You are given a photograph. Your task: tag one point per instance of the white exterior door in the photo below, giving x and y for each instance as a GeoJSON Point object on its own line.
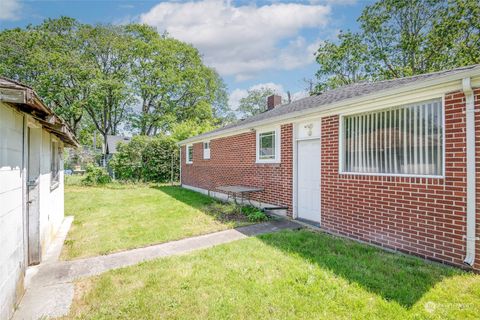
{"type": "Point", "coordinates": [308, 180]}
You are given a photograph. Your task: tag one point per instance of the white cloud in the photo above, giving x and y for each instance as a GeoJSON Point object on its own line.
{"type": "Point", "coordinates": [242, 40]}
{"type": "Point", "coordinates": [237, 94]}
{"type": "Point", "coordinates": [10, 9]}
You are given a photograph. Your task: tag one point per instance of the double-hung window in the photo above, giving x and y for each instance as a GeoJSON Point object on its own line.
{"type": "Point", "coordinates": [268, 146]}
{"type": "Point", "coordinates": [404, 140]}
{"type": "Point", "coordinates": [189, 154]}
{"type": "Point", "coordinates": [206, 150]}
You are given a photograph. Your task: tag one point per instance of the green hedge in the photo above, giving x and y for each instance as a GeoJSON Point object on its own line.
{"type": "Point", "coordinates": [146, 159]}
{"type": "Point", "coordinates": [95, 175]}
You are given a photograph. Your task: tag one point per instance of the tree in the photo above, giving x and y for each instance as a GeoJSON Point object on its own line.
{"type": "Point", "coordinates": [172, 82]}
{"type": "Point", "coordinates": [343, 63]}
{"type": "Point", "coordinates": [189, 128]}
{"type": "Point", "coordinates": [401, 38]}
{"type": "Point", "coordinates": [255, 102]}
{"type": "Point", "coordinates": [113, 78]}
{"type": "Point", "coordinates": [107, 49]}
{"type": "Point", "coordinates": [397, 33]}
{"type": "Point", "coordinates": [221, 110]}
{"type": "Point", "coordinates": [455, 38]}
{"type": "Point", "coordinates": [48, 58]}
{"type": "Point", "coordinates": [65, 82]}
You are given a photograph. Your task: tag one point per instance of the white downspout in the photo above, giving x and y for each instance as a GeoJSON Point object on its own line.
{"type": "Point", "coordinates": [470, 151]}
{"type": "Point", "coordinates": [180, 166]}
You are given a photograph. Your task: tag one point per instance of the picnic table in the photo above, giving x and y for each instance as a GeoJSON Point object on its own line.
{"type": "Point", "coordinates": [243, 191]}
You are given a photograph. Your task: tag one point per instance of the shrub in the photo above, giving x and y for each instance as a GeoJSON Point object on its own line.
{"type": "Point", "coordinates": [95, 175]}
{"type": "Point", "coordinates": [146, 159]}
{"type": "Point", "coordinates": [254, 214]}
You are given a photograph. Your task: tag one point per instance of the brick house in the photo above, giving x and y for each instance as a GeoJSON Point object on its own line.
{"type": "Point", "coordinates": [392, 163]}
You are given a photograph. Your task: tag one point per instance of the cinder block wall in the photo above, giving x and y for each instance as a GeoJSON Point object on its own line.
{"type": "Point", "coordinates": [232, 162]}
{"type": "Point", "coordinates": [12, 221]}
{"type": "Point", "coordinates": [421, 216]}
{"type": "Point", "coordinates": [12, 262]}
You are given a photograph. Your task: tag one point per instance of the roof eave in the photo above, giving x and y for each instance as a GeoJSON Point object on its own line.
{"type": "Point", "coordinates": [29, 102]}
{"type": "Point", "coordinates": [384, 93]}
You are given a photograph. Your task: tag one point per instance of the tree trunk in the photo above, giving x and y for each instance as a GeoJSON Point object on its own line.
{"type": "Point", "coordinates": [104, 160]}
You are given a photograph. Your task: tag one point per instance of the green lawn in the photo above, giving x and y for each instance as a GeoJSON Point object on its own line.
{"type": "Point", "coordinates": [285, 275]}
{"type": "Point", "coordinates": [118, 217]}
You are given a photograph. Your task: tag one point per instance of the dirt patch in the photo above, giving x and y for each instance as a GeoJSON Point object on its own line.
{"type": "Point", "coordinates": [79, 304]}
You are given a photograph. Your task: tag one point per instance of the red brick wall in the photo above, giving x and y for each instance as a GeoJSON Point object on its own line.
{"type": "Point", "coordinates": [232, 162]}
{"type": "Point", "coordinates": [421, 216]}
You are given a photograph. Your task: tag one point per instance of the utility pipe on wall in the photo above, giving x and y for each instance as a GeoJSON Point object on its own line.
{"type": "Point", "coordinates": [471, 184]}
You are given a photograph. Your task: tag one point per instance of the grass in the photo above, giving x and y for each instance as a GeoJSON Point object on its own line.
{"type": "Point", "coordinates": [284, 275]}
{"type": "Point", "coordinates": [118, 217]}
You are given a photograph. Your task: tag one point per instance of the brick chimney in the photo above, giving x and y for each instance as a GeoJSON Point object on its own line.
{"type": "Point", "coordinates": [273, 101]}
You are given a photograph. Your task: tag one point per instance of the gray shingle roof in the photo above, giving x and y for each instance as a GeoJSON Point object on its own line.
{"type": "Point", "coordinates": [337, 95]}
{"type": "Point", "coordinates": [112, 142]}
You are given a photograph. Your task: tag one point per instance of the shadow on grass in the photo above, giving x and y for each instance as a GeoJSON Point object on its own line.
{"type": "Point", "coordinates": [220, 211]}
{"type": "Point", "coordinates": [392, 276]}
{"type": "Point", "coordinates": [191, 198]}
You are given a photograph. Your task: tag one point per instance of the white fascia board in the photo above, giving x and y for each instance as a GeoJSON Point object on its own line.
{"type": "Point", "coordinates": [406, 94]}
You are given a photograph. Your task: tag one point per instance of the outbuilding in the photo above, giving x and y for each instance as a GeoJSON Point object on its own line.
{"type": "Point", "coordinates": [392, 163]}
{"type": "Point", "coordinates": [32, 139]}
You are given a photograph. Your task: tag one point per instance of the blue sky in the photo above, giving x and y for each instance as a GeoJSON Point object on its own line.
{"type": "Point", "coordinates": [250, 43]}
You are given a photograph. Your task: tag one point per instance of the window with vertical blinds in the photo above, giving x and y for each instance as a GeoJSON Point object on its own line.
{"type": "Point", "coordinates": [400, 140]}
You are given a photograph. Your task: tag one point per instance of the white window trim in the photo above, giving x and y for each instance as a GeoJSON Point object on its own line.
{"type": "Point", "coordinates": [405, 175]}
{"type": "Point", "coordinates": [206, 154]}
{"type": "Point", "coordinates": [277, 158]}
{"type": "Point", "coordinates": [187, 154]}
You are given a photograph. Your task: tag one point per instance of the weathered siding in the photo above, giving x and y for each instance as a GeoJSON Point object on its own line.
{"type": "Point", "coordinates": [51, 200]}
{"type": "Point", "coordinates": [12, 264]}
{"type": "Point", "coordinates": [12, 189]}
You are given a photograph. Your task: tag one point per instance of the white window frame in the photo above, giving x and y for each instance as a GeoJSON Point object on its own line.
{"type": "Point", "coordinates": [206, 151]}
{"type": "Point", "coordinates": [187, 154]}
{"type": "Point", "coordinates": [412, 175]}
{"type": "Point", "coordinates": [277, 145]}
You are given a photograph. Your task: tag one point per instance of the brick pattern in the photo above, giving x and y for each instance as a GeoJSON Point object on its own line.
{"type": "Point", "coordinates": [232, 162]}
{"type": "Point", "coordinates": [421, 216]}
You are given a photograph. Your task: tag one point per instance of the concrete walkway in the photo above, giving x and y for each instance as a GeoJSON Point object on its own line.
{"type": "Point", "coordinates": [50, 289]}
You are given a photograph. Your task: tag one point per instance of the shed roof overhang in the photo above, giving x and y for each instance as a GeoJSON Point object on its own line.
{"type": "Point", "coordinates": [27, 101]}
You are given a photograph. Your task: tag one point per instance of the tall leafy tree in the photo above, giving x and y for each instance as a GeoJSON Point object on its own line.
{"type": "Point", "coordinates": [343, 63]}
{"type": "Point", "coordinates": [400, 38]}
{"type": "Point", "coordinates": [397, 34]}
{"type": "Point", "coordinates": [48, 58]}
{"type": "Point", "coordinates": [107, 49]}
{"type": "Point", "coordinates": [255, 102]}
{"type": "Point", "coordinates": [171, 82]}
{"type": "Point", "coordinates": [110, 78]}
{"type": "Point", "coordinates": [66, 80]}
